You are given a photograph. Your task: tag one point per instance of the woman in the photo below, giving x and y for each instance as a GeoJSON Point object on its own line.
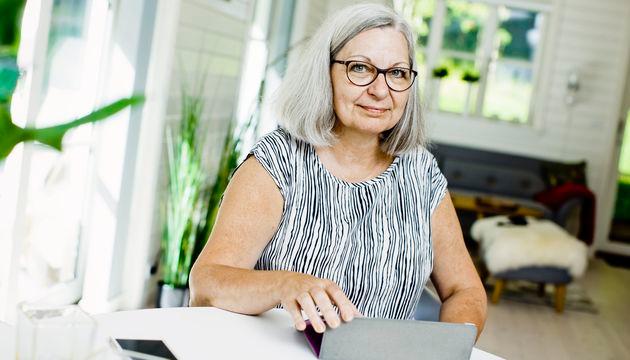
{"type": "Point", "coordinates": [342, 206]}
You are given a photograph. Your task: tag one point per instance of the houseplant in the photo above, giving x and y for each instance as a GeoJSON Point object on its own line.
{"type": "Point", "coordinates": [438, 73]}
{"type": "Point", "coordinates": [471, 77]}
{"type": "Point", "coordinates": [211, 196]}
{"type": "Point", "coordinates": [185, 201]}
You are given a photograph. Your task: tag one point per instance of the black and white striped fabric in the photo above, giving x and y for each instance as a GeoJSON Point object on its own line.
{"type": "Point", "coordinates": [372, 238]}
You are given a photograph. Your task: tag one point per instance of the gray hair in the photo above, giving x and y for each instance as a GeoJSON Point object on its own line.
{"type": "Point", "coordinates": [305, 99]}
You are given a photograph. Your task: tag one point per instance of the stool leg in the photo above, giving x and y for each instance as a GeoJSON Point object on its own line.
{"type": "Point", "coordinates": [561, 292]}
{"type": "Point", "coordinates": [498, 287]}
{"type": "Point", "coordinates": [541, 289]}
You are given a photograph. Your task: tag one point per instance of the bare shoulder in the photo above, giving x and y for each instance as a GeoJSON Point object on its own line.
{"type": "Point", "coordinates": [252, 175]}
{"type": "Point", "coordinates": [248, 217]}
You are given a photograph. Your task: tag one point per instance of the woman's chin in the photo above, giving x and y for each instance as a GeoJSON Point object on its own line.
{"type": "Point", "coordinates": [376, 126]}
{"type": "Point", "coordinates": [374, 130]}
{"type": "Point", "coordinates": [368, 125]}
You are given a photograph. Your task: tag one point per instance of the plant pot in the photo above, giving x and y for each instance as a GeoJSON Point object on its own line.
{"type": "Point", "coordinates": [171, 296]}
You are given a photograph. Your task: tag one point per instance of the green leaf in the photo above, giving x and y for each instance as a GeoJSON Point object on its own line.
{"type": "Point", "coordinates": [440, 72]}
{"type": "Point", "coordinates": [11, 134]}
{"type": "Point", "coordinates": [471, 76]}
{"type": "Point", "coordinates": [9, 74]}
{"type": "Point", "coordinates": [53, 136]}
{"type": "Point", "coordinates": [9, 26]}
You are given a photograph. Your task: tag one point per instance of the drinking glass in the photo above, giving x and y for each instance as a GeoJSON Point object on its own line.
{"type": "Point", "coordinates": [54, 332]}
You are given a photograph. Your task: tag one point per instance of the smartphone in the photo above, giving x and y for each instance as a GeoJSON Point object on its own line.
{"type": "Point", "coordinates": [143, 349]}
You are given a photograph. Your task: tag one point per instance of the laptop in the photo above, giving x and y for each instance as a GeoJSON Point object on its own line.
{"type": "Point", "coordinates": [371, 339]}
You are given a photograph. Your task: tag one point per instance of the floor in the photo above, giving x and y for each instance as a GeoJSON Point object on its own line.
{"type": "Point", "coordinates": [620, 231]}
{"type": "Point", "coordinates": [522, 331]}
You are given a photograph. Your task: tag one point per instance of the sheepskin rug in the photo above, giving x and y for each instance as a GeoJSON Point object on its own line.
{"type": "Point", "coordinates": [539, 243]}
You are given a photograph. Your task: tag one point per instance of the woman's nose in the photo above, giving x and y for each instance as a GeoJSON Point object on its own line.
{"type": "Point", "coordinates": [379, 88]}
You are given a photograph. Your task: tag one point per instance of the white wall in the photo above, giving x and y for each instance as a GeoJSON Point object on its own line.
{"type": "Point", "coordinates": [311, 13]}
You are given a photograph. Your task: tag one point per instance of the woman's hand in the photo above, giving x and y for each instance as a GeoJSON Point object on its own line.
{"type": "Point", "coordinates": [306, 292]}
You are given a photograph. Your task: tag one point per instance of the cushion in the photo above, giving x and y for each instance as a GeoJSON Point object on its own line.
{"type": "Point", "coordinates": [556, 174]}
{"type": "Point", "coordinates": [541, 274]}
{"type": "Point", "coordinates": [539, 243]}
{"type": "Point", "coordinates": [492, 179]}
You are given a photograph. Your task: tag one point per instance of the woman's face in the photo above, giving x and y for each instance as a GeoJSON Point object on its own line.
{"type": "Point", "coordinates": [374, 108]}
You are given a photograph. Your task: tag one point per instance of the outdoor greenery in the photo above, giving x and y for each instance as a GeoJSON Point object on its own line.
{"type": "Point", "coordinates": [463, 25]}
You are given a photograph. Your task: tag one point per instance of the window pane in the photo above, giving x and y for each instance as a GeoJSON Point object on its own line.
{"type": "Point", "coordinates": [423, 75]}
{"type": "Point", "coordinates": [518, 33]}
{"type": "Point", "coordinates": [463, 25]}
{"type": "Point", "coordinates": [422, 15]}
{"type": "Point", "coordinates": [455, 93]}
{"type": "Point", "coordinates": [508, 92]}
{"type": "Point", "coordinates": [510, 78]}
{"type": "Point", "coordinates": [57, 181]}
{"type": "Point", "coordinates": [63, 77]}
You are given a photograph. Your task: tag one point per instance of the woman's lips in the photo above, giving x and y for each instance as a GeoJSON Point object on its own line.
{"type": "Point", "coordinates": [373, 109]}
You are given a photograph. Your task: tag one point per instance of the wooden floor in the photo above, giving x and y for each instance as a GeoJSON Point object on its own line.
{"type": "Point", "coordinates": [523, 331]}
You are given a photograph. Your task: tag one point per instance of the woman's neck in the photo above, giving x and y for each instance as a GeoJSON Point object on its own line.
{"type": "Point", "coordinates": [355, 156]}
{"type": "Point", "coordinates": [358, 148]}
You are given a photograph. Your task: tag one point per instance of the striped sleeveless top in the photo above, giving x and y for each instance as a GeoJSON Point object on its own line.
{"type": "Point", "coordinates": [372, 238]}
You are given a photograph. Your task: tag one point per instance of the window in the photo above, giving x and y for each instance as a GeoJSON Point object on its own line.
{"type": "Point", "coordinates": [43, 247]}
{"type": "Point", "coordinates": [478, 58]}
{"type": "Point", "coordinates": [56, 185]}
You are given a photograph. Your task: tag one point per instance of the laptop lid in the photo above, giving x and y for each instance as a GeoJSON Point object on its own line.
{"type": "Point", "coordinates": [369, 338]}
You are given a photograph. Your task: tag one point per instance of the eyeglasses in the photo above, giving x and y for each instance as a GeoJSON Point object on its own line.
{"type": "Point", "coordinates": [363, 74]}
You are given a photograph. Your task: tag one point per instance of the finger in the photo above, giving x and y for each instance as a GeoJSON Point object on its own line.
{"type": "Point", "coordinates": [324, 304]}
{"type": "Point", "coordinates": [346, 308]}
{"type": "Point", "coordinates": [307, 304]}
{"type": "Point", "coordinates": [293, 309]}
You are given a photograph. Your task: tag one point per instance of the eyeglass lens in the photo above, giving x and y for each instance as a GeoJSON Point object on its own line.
{"type": "Point", "coordinates": [361, 74]}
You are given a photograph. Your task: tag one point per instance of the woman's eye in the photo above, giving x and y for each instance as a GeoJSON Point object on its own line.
{"type": "Point", "coordinates": [398, 73]}
{"type": "Point", "coordinates": [358, 68]}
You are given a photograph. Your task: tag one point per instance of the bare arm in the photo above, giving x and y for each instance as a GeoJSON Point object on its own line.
{"type": "Point", "coordinates": [454, 275]}
{"type": "Point", "coordinates": [223, 275]}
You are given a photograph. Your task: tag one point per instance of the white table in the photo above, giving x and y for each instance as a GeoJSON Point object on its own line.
{"type": "Point", "coordinates": [204, 333]}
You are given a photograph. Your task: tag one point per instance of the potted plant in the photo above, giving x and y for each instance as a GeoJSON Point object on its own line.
{"type": "Point", "coordinates": [471, 77]}
{"type": "Point", "coordinates": [438, 73]}
{"type": "Point", "coordinates": [184, 205]}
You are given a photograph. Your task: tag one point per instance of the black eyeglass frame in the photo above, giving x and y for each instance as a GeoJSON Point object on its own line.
{"type": "Point", "coordinates": [378, 72]}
